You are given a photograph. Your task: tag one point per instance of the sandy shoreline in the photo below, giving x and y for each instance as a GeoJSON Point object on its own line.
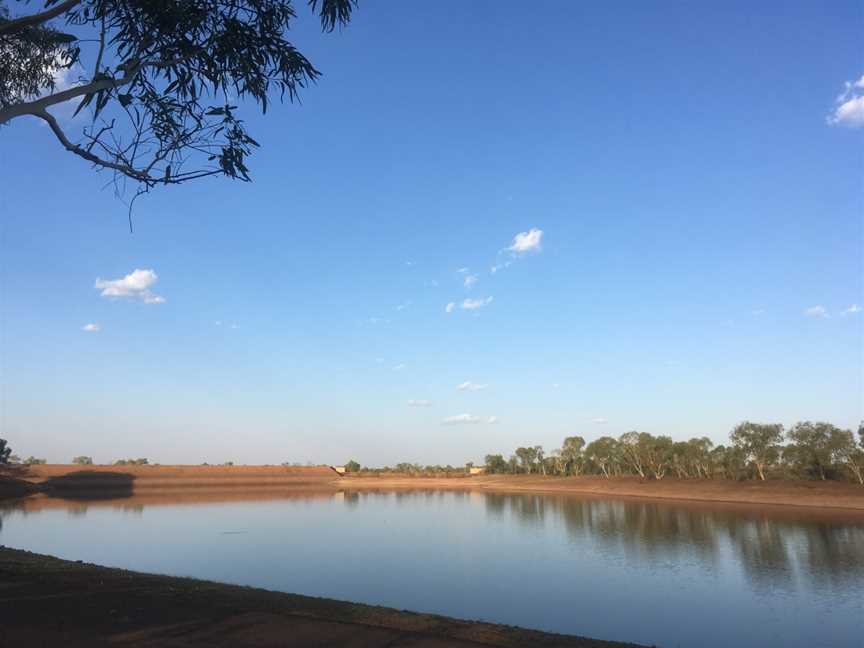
{"type": "Point", "coordinates": [88, 482]}
{"type": "Point", "coordinates": [46, 601]}
{"type": "Point", "coordinates": [811, 494]}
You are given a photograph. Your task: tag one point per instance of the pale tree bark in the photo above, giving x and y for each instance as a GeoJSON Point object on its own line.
{"type": "Point", "coordinates": [17, 24]}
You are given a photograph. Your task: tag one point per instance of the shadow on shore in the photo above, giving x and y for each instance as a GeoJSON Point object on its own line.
{"type": "Point", "coordinates": [13, 483]}
{"type": "Point", "coordinates": [89, 485]}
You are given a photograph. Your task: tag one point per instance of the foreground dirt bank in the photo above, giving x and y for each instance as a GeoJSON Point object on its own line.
{"type": "Point", "coordinates": [840, 495]}
{"type": "Point", "coordinates": [45, 601]}
{"type": "Point", "coordinates": [86, 482]}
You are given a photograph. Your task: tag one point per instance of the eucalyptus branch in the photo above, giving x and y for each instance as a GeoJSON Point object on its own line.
{"type": "Point", "coordinates": [18, 24]}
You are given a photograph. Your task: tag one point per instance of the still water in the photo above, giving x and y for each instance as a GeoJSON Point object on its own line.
{"type": "Point", "coordinates": [670, 574]}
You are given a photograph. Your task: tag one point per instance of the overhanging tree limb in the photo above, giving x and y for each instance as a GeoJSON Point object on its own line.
{"type": "Point", "coordinates": [152, 117]}
{"type": "Point", "coordinates": [17, 24]}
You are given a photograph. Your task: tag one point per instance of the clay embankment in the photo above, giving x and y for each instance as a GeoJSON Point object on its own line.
{"type": "Point", "coordinates": [202, 483]}
{"type": "Point", "coordinates": [120, 481]}
{"type": "Point", "coordinates": [827, 494]}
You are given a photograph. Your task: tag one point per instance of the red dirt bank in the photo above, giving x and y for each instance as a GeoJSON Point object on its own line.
{"type": "Point", "coordinates": [194, 481]}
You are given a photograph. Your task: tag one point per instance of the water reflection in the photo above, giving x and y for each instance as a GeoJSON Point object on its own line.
{"type": "Point", "coordinates": [688, 574]}
{"type": "Point", "coordinates": [771, 546]}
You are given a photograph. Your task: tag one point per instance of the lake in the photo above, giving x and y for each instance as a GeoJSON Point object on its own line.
{"type": "Point", "coordinates": [670, 574]}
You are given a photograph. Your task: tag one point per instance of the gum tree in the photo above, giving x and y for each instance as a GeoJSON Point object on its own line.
{"type": "Point", "coordinates": [759, 444]}
{"type": "Point", "coordinates": [814, 446]}
{"type": "Point", "coordinates": [163, 79]}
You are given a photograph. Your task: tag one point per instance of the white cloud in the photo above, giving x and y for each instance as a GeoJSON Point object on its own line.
{"type": "Point", "coordinates": [849, 110]}
{"type": "Point", "coordinates": [419, 402]}
{"type": "Point", "coordinates": [449, 307]}
{"type": "Point", "coordinates": [816, 311]}
{"type": "Point", "coordinates": [599, 420]}
{"type": "Point", "coordinates": [402, 307]}
{"type": "Point", "coordinates": [853, 309]}
{"type": "Point", "coordinates": [399, 367]}
{"type": "Point", "coordinates": [64, 79]}
{"type": "Point", "coordinates": [468, 419]}
{"type": "Point", "coordinates": [523, 243]}
{"type": "Point", "coordinates": [529, 241]}
{"type": "Point", "coordinates": [470, 280]}
{"type": "Point", "coordinates": [91, 328]}
{"type": "Point", "coordinates": [462, 270]}
{"type": "Point", "coordinates": [475, 304]}
{"type": "Point", "coordinates": [135, 285]}
{"type": "Point", "coordinates": [470, 386]}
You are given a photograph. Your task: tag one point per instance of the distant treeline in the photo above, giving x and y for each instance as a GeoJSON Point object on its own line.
{"type": "Point", "coordinates": [406, 468]}
{"type": "Point", "coordinates": [755, 451]}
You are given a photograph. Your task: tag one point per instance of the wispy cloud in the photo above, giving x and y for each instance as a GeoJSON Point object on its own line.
{"type": "Point", "coordinates": [816, 311]}
{"type": "Point", "coordinates": [403, 306]}
{"type": "Point", "coordinates": [450, 307]}
{"type": "Point", "coordinates": [470, 280]}
{"type": "Point", "coordinates": [135, 285]}
{"type": "Point", "coordinates": [849, 106]}
{"type": "Point", "coordinates": [476, 304]}
{"type": "Point", "coordinates": [468, 419]}
{"type": "Point", "coordinates": [470, 386]}
{"type": "Point", "coordinates": [419, 402]}
{"type": "Point", "coordinates": [853, 309]}
{"type": "Point", "coordinates": [599, 420]}
{"type": "Point", "coordinates": [399, 367]}
{"type": "Point", "coordinates": [91, 328]}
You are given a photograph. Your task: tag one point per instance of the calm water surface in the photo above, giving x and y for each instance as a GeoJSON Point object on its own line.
{"type": "Point", "coordinates": [654, 573]}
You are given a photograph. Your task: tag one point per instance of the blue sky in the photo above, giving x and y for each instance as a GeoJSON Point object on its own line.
{"type": "Point", "coordinates": [695, 172]}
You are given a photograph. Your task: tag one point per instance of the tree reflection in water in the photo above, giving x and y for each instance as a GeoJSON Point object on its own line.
{"type": "Point", "coordinates": [773, 546]}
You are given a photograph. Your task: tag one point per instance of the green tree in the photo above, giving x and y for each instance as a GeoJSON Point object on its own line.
{"type": "Point", "coordinates": [850, 456]}
{"type": "Point", "coordinates": [633, 447]}
{"type": "Point", "coordinates": [540, 458]}
{"type": "Point", "coordinates": [5, 452]}
{"type": "Point", "coordinates": [352, 466]}
{"type": "Point", "coordinates": [83, 461]}
{"type": "Point", "coordinates": [604, 454]}
{"type": "Point", "coordinates": [814, 447]}
{"type": "Point", "coordinates": [759, 442]}
{"type": "Point", "coordinates": [527, 458]}
{"type": "Point", "coordinates": [496, 465]}
{"type": "Point", "coordinates": [658, 453]}
{"type": "Point", "coordinates": [699, 456]}
{"type": "Point", "coordinates": [33, 461]}
{"type": "Point", "coordinates": [571, 455]}
{"type": "Point", "coordinates": [159, 77]}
